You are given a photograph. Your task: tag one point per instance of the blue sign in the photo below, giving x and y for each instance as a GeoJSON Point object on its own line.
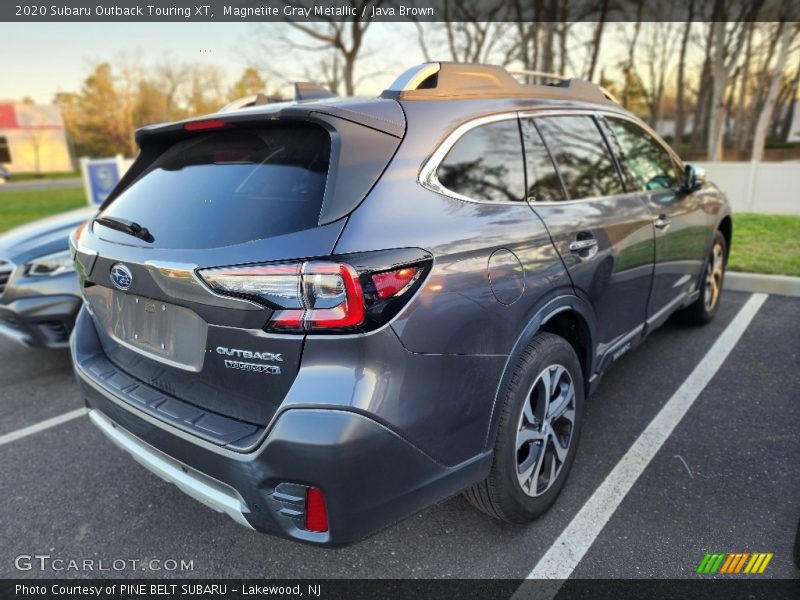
{"type": "Point", "coordinates": [100, 177]}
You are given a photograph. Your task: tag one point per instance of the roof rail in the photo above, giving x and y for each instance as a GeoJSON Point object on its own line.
{"type": "Point", "coordinates": [556, 76]}
{"type": "Point", "coordinates": [447, 80]}
{"type": "Point", "coordinates": [303, 90]}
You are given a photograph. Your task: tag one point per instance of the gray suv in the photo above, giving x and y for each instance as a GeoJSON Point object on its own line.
{"type": "Point", "coordinates": [321, 316]}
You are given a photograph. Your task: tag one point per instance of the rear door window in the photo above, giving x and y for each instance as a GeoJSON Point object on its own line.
{"type": "Point", "coordinates": [229, 187]}
{"type": "Point", "coordinates": [582, 156]}
{"type": "Point", "coordinates": [486, 164]}
{"type": "Point", "coordinates": [544, 184]}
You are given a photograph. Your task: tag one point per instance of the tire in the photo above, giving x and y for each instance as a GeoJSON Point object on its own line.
{"type": "Point", "coordinates": [702, 310]}
{"type": "Point", "coordinates": [525, 429]}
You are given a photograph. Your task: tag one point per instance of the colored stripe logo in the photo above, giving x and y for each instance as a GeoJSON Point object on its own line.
{"type": "Point", "coordinates": [734, 562]}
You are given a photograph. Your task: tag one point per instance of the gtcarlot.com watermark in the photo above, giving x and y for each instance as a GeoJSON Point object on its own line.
{"type": "Point", "coordinates": [46, 562]}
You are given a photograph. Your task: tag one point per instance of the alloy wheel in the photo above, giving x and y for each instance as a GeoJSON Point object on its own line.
{"type": "Point", "coordinates": [545, 430]}
{"type": "Point", "coordinates": [713, 282]}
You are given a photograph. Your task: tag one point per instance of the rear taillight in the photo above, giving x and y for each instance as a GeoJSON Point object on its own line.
{"type": "Point", "coordinates": [390, 283]}
{"type": "Point", "coordinates": [319, 295]}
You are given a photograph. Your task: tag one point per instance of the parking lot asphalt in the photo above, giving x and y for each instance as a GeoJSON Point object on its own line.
{"type": "Point", "coordinates": [726, 480]}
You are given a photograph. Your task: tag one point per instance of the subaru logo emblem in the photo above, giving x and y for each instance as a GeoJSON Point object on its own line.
{"type": "Point", "coordinates": [121, 276]}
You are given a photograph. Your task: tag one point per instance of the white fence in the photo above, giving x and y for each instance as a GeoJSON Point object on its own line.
{"type": "Point", "coordinates": [765, 187]}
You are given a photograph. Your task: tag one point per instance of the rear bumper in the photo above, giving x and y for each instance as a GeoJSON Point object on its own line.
{"type": "Point", "coordinates": [200, 487]}
{"type": "Point", "coordinates": [370, 475]}
{"type": "Point", "coordinates": [40, 321]}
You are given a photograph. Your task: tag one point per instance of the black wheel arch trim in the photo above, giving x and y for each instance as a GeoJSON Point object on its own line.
{"type": "Point", "coordinates": [554, 303]}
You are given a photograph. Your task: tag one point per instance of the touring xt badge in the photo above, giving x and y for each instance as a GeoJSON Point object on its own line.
{"type": "Point", "coordinates": [252, 355]}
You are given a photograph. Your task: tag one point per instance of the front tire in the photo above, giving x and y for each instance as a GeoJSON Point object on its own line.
{"type": "Point", "coordinates": [702, 310]}
{"type": "Point", "coordinates": [540, 422]}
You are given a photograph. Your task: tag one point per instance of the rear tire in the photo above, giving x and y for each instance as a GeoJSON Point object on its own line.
{"type": "Point", "coordinates": [702, 310]}
{"type": "Point", "coordinates": [538, 432]}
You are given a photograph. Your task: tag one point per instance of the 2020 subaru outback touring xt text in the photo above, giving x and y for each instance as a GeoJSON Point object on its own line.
{"type": "Point", "coordinates": [324, 315]}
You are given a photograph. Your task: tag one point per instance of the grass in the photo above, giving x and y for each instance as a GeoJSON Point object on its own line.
{"type": "Point", "coordinates": [20, 207]}
{"type": "Point", "coordinates": [43, 176]}
{"type": "Point", "coordinates": [766, 244]}
{"type": "Point", "coordinates": [761, 243]}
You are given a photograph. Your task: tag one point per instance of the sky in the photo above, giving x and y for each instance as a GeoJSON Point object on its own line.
{"type": "Point", "coordinates": [41, 59]}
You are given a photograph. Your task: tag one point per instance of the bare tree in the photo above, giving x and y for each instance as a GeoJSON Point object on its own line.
{"type": "Point", "coordinates": [728, 42]}
{"type": "Point", "coordinates": [345, 39]}
{"type": "Point", "coordinates": [680, 108]}
{"type": "Point", "coordinates": [658, 48]}
{"type": "Point", "coordinates": [788, 32]}
{"type": "Point", "coordinates": [789, 104]}
{"type": "Point", "coordinates": [740, 129]}
{"type": "Point", "coordinates": [629, 66]}
{"type": "Point", "coordinates": [170, 77]}
{"type": "Point", "coordinates": [471, 35]}
{"type": "Point", "coordinates": [597, 39]}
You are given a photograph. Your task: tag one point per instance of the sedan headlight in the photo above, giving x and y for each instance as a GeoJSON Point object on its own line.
{"type": "Point", "coordinates": [51, 265]}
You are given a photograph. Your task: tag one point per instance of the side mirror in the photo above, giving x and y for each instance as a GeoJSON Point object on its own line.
{"type": "Point", "coordinates": [693, 178]}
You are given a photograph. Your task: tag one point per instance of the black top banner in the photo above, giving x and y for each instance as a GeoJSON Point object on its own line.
{"type": "Point", "coordinates": [397, 10]}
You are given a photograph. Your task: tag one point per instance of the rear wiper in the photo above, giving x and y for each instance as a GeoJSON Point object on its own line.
{"type": "Point", "coordinates": [125, 226]}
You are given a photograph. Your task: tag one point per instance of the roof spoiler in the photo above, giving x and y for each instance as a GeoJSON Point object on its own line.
{"type": "Point", "coordinates": [447, 80]}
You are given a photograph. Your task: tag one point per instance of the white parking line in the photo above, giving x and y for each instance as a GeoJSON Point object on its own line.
{"type": "Point", "coordinates": [575, 540]}
{"type": "Point", "coordinates": [41, 426]}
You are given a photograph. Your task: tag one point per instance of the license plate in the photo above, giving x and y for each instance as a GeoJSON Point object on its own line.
{"type": "Point", "coordinates": [172, 334]}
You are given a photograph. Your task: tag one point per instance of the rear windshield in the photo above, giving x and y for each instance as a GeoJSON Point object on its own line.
{"type": "Point", "coordinates": [228, 187]}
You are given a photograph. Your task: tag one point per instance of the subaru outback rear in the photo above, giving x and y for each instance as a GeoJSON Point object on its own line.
{"type": "Point", "coordinates": [299, 314]}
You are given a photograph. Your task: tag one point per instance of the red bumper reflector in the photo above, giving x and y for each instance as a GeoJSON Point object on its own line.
{"type": "Point", "coordinates": [316, 513]}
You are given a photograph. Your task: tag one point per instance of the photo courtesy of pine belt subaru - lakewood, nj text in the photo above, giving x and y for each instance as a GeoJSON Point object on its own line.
{"type": "Point", "coordinates": [323, 315]}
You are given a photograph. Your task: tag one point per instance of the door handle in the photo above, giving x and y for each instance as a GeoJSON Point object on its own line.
{"type": "Point", "coordinates": [662, 222]}
{"type": "Point", "coordinates": [582, 245]}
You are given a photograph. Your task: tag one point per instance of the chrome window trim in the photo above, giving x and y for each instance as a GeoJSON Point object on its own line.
{"type": "Point", "coordinates": [427, 175]}
{"type": "Point", "coordinates": [429, 180]}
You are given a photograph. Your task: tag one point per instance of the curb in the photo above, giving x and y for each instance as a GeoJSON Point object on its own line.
{"type": "Point", "coordinates": [767, 284]}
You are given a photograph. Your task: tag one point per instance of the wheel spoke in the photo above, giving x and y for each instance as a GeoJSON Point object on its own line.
{"type": "Point", "coordinates": [560, 451]}
{"type": "Point", "coordinates": [540, 453]}
{"type": "Point", "coordinates": [717, 259]}
{"type": "Point", "coordinates": [552, 476]}
{"type": "Point", "coordinates": [533, 482]}
{"type": "Point", "coordinates": [568, 415]}
{"type": "Point", "coordinates": [563, 404]}
{"type": "Point", "coordinates": [527, 435]}
{"type": "Point", "coordinates": [527, 411]}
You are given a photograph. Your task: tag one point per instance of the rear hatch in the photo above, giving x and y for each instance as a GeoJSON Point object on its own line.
{"type": "Point", "coordinates": [244, 190]}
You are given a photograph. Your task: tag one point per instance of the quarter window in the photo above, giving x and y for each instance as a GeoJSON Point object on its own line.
{"type": "Point", "coordinates": [486, 164]}
{"type": "Point", "coordinates": [582, 156]}
{"type": "Point", "coordinates": [649, 163]}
